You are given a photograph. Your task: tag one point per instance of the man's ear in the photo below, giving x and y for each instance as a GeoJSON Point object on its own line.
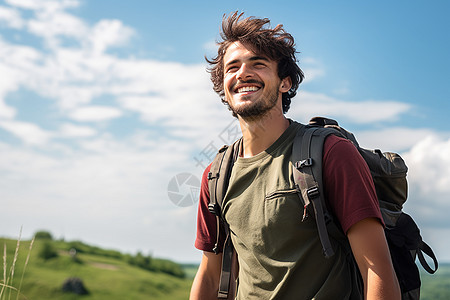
{"type": "Point", "coordinates": [286, 84]}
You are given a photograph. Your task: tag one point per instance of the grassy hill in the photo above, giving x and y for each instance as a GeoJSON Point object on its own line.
{"type": "Point", "coordinates": [111, 275]}
{"type": "Point", "coordinates": [106, 274]}
{"type": "Point", "coordinates": [436, 286]}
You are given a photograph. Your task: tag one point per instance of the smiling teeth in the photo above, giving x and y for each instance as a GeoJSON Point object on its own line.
{"type": "Point", "coordinates": [247, 89]}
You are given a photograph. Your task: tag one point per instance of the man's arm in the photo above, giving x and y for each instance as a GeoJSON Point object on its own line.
{"type": "Point", "coordinates": [371, 252]}
{"type": "Point", "coordinates": [206, 282]}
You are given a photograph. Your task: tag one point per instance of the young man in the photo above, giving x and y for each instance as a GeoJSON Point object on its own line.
{"type": "Point", "coordinates": [279, 256]}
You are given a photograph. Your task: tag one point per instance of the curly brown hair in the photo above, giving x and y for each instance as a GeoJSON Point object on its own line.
{"type": "Point", "coordinates": [276, 44]}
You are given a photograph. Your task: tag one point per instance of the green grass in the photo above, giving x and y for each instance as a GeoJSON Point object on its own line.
{"type": "Point", "coordinates": [108, 275]}
{"type": "Point", "coordinates": [190, 270]}
{"type": "Point", "coordinates": [104, 276]}
{"type": "Point", "coordinates": [436, 286]}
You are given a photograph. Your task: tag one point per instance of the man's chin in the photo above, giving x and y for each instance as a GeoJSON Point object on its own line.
{"type": "Point", "coordinates": [250, 112]}
{"type": "Point", "coordinates": [251, 108]}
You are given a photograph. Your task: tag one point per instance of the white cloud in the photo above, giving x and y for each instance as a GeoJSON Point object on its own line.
{"type": "Point", "coordinates": [393, 138]}
{"type": "Point", "coordinates": [53, 24]}
{"type": "Point", "coordinates": [47, 5]}
{"type": "Point", "coordinates": [19, 58]}
{"type": "Point", "coordinates": [211, 47]}
{"type": "Point", "coordinates": [431, 172]}
{"type": "Point", "coordinates": [312, 68]}
{"type": "Point", "coordinates": [11, 17]}
{"type": "Point", "coordinates": [6, 111]}
{"type": "Point", "coordinates": [51, 21]}
{"type": "Point", "coordinates": [108, 33]}
{"type": "Point", "coordinates": [309, 104]}
{"type": "Point", "coordinates": [99, 183]}
{"type": "Point", "coordinates": [16, 62]}
{"type": "Point", "coordinates": [435, 237]}
{"type": "Point", "coordinates": [429, 189]}
{"type": "Point", "coordinates": [177, 96]}
{"type": "Point", "coordinates": [95, 113]}
{"type": "Point", "coordinates": [71, 130]}
{"type": "Point", "coordinates": [106, 186]}
{"type": "Point", "coordinates": [27, 132]}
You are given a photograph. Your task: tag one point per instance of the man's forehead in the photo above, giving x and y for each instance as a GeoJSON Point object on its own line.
{"type": "Point", "coordinates": [237, 49]}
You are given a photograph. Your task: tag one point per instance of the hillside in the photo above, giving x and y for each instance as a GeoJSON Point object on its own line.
{"type": "Point", "coordinates": [437, 286]}
{"type": "Point", "coordinates": [105, 274]}
{"type": "Point", "coordinates": [111, 275]}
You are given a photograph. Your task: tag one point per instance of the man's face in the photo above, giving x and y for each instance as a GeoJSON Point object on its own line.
{"type": "Point", "coordinates": [251, 83]}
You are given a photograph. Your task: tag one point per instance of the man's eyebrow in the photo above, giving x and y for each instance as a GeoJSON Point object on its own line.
{"type": "Point", "coordinates": [232, 62]}
{"type": "Point", "coordinates": [253, 58]}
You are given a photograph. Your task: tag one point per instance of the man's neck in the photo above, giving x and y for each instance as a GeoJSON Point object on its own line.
{"type": "Point", "coordinates": [260, 133]}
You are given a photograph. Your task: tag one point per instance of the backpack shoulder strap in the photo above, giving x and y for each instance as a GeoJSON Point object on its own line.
{"type": "Point", "coordinates": [219, 175]}
{"type": "Point", "coordinates": [213, 180]}
{"type": "Point", "coordinates": [218, 179]}
{"type": "Point", "coordinates": [307, 155]}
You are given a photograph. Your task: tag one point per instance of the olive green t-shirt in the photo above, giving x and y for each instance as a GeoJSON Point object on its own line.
{"type": "Point", "coordinates": [280, 257]}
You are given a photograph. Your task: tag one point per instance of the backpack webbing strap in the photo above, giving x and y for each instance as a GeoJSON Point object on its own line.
{"type": "Point", "coordinates": [307, 157]}
{"type": "Point", "coordinates": [425, 248]}
{"type": "Point", "coordinates": [213, 177]}
{"type": "Point", "coordinates": [218, 179]}
{"type": "Point", "coordinates": [225, 275]}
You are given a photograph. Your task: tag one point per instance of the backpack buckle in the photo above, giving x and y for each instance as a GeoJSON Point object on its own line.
{"type": "Point", "coordinates": [304, 163]}
{"type": "Point", "coordinates": [216, 249]}
{"type": "Point", "coordinates": [211, 175]}
{"type": "Point", "coordinates": [214, 208]}
{"type": "Point", "coordinates": [313, 192]}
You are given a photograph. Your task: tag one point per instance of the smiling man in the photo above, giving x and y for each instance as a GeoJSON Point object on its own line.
{"type": "Point", "coordinates": [280, 256]}
{"type": "Point", "coordinates": [245, 78]}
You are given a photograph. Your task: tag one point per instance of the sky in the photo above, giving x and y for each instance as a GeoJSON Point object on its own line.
{"type": "Point", "coordinates": [108, 118]}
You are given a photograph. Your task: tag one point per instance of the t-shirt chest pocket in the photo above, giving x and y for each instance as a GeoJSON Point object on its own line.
{"type": "Point", "coordinates": [282, 210]}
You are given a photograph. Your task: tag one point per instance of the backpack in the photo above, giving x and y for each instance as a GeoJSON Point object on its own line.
{"type": "Point", "coordinates": [388, 171]}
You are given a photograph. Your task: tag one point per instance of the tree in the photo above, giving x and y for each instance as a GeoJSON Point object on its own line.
{"type": "Point", "coordinates": [47, 251]}
{"type": "Point", "coordinates": [43, 235]}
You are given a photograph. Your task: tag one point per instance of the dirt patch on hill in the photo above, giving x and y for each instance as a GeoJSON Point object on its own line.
{"type": "Point", "coordinates": [104, 266]}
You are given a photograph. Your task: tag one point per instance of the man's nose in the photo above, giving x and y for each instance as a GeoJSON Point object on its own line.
{"type": "Point", "coordinates": [244, 72]}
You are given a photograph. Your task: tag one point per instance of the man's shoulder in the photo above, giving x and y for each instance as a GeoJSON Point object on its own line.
{"type": "Point", "coordinates": [332, 140]}
{"type": "Point", "coordinates": [337, 141]}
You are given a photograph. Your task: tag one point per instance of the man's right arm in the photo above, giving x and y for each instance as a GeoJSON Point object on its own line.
{"type": "Point", "coordinates": [206, 282]}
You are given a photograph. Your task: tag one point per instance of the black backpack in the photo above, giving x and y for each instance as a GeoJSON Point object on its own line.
{"type": "Point", "coordinates": [388, 171]}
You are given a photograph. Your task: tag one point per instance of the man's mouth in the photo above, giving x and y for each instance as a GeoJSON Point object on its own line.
{"type": "Point", "coordinates": [247, 86]}
{"type": "Point", "coordinates": [246, 89]}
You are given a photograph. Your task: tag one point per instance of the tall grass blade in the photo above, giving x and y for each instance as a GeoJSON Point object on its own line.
{"type": "Point", "coordinates": [25, 267]}
{"type": "Point", "coordinates": [13, 266]}
{"type": "Point", "coordinates": [4, 271]}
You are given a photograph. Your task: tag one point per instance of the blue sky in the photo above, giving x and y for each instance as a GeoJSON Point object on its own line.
{"type": "Point", "coordinates": [103, 103]}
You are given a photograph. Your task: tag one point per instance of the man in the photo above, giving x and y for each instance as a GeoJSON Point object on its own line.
{"type": "Point", "coordinates": [279, 256]}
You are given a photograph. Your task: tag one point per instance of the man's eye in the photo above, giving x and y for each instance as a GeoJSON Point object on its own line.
{"type": "Point", "coordinates": [231, 69]}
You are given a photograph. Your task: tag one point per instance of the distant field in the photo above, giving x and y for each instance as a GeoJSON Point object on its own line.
{"type": "Point", "coordinates": [434, 287]}
{"type": "Point", "coordinates": [108, 275]}
{"type": "Point", "coordinates": [104, 277]}
{"type": "Point", "coordinates": [190, 270]}
{"type": "Point", "coordinates": [437, 286]}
